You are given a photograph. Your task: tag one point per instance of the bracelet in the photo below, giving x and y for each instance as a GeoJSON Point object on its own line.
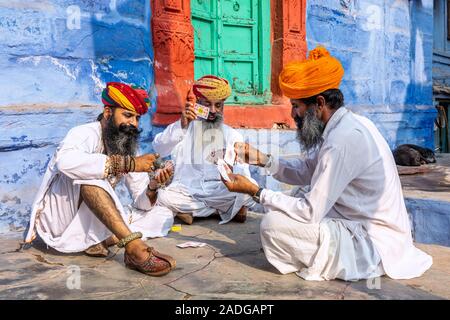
{"type": "Point", "coordinates": [132, 236]}
{"type": "Point", "coordinates": [133, 164]}
{"type": "Point", "coordinates": [108, 167]}
{"type": "Point", "coordinates": [117, 164]}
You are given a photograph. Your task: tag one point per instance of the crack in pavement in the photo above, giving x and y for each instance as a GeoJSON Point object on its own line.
{"type": "Point", "coordinates": [15, 286]}
{"type": "Point", "coordinates": [186, 296]}
{"type": "Point", "coordinates": [342, 294]}
{"type": "Point", "coordinates": [9, 252]}
{"type": "Point", "coordinates": [214, 257]}
{"type": "Point", "coordinates": [17, 250]}
{"type": "Point", "coordinates": [41, 259]}
{"type": "Point", "coordinates": [205, 266]}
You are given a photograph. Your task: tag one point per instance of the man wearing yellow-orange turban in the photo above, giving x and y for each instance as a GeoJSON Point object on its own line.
{"type": "Point", "coordinates": [350, 221]}
{"type": "Point", "coordinates": [195, 142]}
{"type": "Point", "coordinates": [77, 208]}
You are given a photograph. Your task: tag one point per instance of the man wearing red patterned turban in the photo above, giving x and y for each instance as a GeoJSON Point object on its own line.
{"type": "Point", "coordinates": [77, 208]}
{"type": "Point", "coordinates": [348, 219]}
{"type": "Point", "coordinates": [196, 144]}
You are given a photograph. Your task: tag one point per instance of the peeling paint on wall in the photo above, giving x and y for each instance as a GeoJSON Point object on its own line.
{"type": "Point", "coordinates": [386, 50]}
{"type": "Point", "coordinates": [55, 58]}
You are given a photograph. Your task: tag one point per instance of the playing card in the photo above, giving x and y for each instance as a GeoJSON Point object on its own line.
{"type": "Point", "coordinates": [222, 167]}
{"type": "Point", "coordinates": [191, 244]}
{"type": "Point", "coordinates": [202, 111]}
{"type": "Point", "coordinates": [215, 155]}
{"type": "Point", "coordinates": [230, 156]}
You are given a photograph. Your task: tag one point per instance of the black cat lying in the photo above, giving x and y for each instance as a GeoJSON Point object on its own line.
{"type": "Point", "coordinates": [412, 155]}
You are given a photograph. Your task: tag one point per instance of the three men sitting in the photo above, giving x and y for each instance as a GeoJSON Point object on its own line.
{"type": "Point", "coordinates": [350, 223]}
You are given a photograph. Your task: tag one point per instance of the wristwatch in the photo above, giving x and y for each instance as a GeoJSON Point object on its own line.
{"type": "Point", "coordinates": [257, 195]}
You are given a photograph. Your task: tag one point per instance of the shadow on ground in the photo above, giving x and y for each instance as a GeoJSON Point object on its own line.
{"type": "Point", "coordinates": [231, 266]}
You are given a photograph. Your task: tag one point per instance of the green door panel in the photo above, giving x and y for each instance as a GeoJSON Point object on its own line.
{"type": "Point", "coordinates": [231, 39]}
{"type": "Point", "coordinates": [204, 66]}
{"type": "Point", "coordinates": [240, 9]}
{"type": "Point", "coordinates": [239, 40]}
{"type": "Point", "coordinates": [203, 6]}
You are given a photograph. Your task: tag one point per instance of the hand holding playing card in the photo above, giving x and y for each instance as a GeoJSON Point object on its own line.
{"type": "Point", "coordinates": [188, 114]}
{"type": "Point", "coordinates": [162, 176]}
{"type": "Point", "coordinates": [228, 155]}
{"type": "Point", "coordinates": [201, 111]}
{"type": "Point", "coordinates": [238, 183]}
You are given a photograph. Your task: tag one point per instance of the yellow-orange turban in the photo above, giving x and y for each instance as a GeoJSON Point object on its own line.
{"type": "Point", "coordinates": [312, 76]}
{"type": "Point", "coordinates": [212, 88]}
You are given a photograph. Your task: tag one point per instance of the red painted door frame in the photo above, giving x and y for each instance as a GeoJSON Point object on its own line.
{"type": "Point", "coordinates": [173, 43]}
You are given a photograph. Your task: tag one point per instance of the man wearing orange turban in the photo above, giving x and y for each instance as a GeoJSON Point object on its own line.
{"type": "Point", "coordinates": [350, 222]}
{"type": "Point", "coordinates": [318, 73]}
{"type": "Point", "coordinates": [77, 208]}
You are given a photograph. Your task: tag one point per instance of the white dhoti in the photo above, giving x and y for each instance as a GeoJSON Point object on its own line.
{"type": "Point", "coordinates": [179, 200]}
{"type": "Point", "coordinates": [70, 226]}
{"type": "Point", "coordinates": [331, 249]}
{"type": "Point", "coordinates": [67, 228]}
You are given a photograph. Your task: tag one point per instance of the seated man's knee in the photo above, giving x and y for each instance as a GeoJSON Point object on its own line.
{"type": "Point", "coordinates": [94, 195]}
{"type": "Point", "coordinates": [269, 222]}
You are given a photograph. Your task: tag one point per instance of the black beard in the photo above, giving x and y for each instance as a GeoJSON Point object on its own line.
{"type": "Point", "coordinates": [309, 130]}
{"type": "Point", "coordinates": [218, 119]}
{"type": "Point", "coordinates": [121, 140]}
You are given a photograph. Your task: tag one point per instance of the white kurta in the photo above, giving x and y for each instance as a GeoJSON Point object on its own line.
{"type": "Point", "coordinates": [55, 215]}
{"type": "Point", "coordinates": [196, 187]}
{"type": "Point", "coordinates": [354, 189]}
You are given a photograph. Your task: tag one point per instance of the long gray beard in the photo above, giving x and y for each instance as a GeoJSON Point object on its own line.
{"type": "Point", "coordinates": [204, 137]}
{"type": "Point", "coordinates": [310, 130]}
{"type": "Point", "coordinates": [118, 141]}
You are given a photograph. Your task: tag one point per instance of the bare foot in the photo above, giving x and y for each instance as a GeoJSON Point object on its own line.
{"type": "Point", "coordinates": [97, 250]}
{"type": "Point", "coordinates": [111, 241]}
{"type": "Point", "coordinates": [241, 216]}
{"type": "Point", "coordinates": [186, 218]}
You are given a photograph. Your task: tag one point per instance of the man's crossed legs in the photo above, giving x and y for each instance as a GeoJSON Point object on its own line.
{"type": "Point", "coordinates": [138, 255]}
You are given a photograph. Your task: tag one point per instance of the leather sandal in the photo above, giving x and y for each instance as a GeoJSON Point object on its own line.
{"type": "Point", "coordinates": [156, 265]}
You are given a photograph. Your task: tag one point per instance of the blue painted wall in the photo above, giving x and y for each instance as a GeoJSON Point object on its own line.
{"type": "Point", "coordinates": [55, 57]}
{"type": "Point", "coordinates": [386, 48]}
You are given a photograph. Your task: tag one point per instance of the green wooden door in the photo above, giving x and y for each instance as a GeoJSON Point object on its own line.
{"type": "Point", "coordinates": [231, 40]}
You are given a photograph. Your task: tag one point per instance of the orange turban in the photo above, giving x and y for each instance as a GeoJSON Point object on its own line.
{"type": "Point", "coordinates": [212, 88]}
{"type": "Point", "coordinates": [310, 77]}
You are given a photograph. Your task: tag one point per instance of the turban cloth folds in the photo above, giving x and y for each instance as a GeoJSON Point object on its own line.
{"type": "Point", "coordinates": [122, 95]}
{"type": "Point", "coordinates": [211, 88]}
{"type": "Point", "coordinates": [318, 73]}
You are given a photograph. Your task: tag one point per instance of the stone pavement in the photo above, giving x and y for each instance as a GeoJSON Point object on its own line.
{"type": "Point", "coordinates": [232, 266]}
